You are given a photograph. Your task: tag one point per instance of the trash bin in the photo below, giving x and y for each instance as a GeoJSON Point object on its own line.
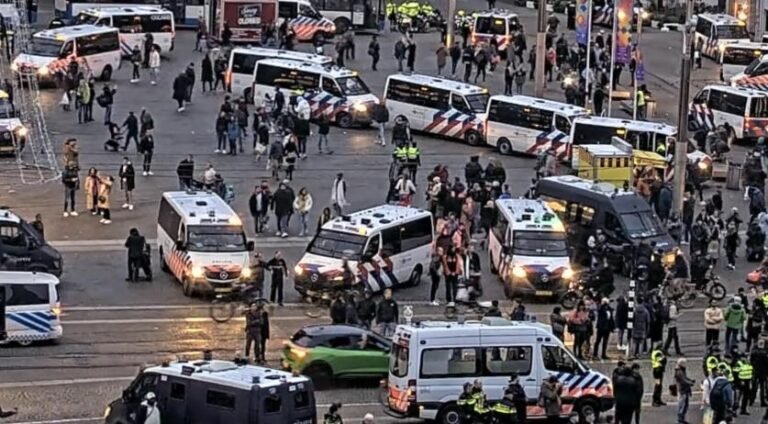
{"type": "Point", "coordinates": [733, 179]}
{"type": "Point", "coordinates": [571, 16]}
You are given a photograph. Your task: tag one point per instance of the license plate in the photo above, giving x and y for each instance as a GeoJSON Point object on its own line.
{"type": "Point", "coordinates": [543, 293]}
{"type": "Point", "coordinates": [222, 290]}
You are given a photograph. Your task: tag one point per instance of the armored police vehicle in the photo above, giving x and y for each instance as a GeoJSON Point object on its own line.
{"type": "Point", "coordinates": [22, 247]}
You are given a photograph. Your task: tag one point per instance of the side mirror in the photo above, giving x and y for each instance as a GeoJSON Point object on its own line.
{"type": "Point", "coordinates": [180, 245]}
{"type": "Point", "coordinates": [250, 246]}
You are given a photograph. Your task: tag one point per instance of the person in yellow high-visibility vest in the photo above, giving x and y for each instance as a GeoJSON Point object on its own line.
{"type": "Point", "coordinates": [658, 364]}
{"type": "Point", "coordinates": [481, 411]}
{"type": "Point", "coordinates": [412, 8]}
{"type": "Point", "coordinates": [744, 375]}
{"type": "Point", "coordinates": [640, 102]}
{"type": "Point", "coordinates": [413, 155]}
{"type": "Point", "coordinates": [467, 403]}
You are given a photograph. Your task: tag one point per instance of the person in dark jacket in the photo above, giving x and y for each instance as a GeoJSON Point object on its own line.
{"type": "Point", "coordinates": [255, 323]}
{"type": "Point", "coordinates": [381, 117]}
{"type": "Point", "coordinates": [106, 100]}
{"type": "Point", "coordinates": [338, 310]}
{"type": "Point", "coordinates": [180, 86]}
{"type": "Point", "coordinates": [366, 310]}
{"type": "Point", "coordinates": [324, 217]}
{"type": "Point", "coordinates": [135, 245]}
{"type": "Point", "coordinates": [387, 314]}
{"type": "Point", "coordinates": [323, 128]}
{"type": "Point", "coordinates": [624, 388]}
{"type": "Point", "coordinates": [186, 171]}
{"type": "Point", "coordinates": [131, 124]}
{"type": "Point", "coordinates": [494, 310]}
{"type": "Point", "coordinates": [605, 326]}
{"type": "Point", "coordinates": [282, 204]}
{"type": "Point", "coordinates": [189, 74]}
{"type": "Point", "coordinates": [147, 148]}
{"type": "Point", "coordinates": [473, 171]}
{"type": "Point", "coordinates": [259, 204]}
{"type": "Point", "coordinates": [206, 73]}
{"type": "Point", "coordinates": [279, 270]}
{"type": "Point", "coordinates": [127, 182]}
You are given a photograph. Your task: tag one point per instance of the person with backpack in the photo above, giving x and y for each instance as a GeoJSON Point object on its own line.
{"type": "Point", "coordinates": [720, 397]}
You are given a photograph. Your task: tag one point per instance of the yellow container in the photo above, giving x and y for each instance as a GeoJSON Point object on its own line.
{"type": "Point", "coordinates": [603, 163]}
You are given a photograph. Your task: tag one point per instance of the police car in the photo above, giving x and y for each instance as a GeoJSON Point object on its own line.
{"type": "Point", "coordinates": [528, 248]}
{"type": "Point", "coordinates": [13, 134]}
{"type": "Point", "coordinates": [743, 61]}
{"type": "Point", "coordinates": [213, 391]}
{"type": "Point", "coordinates": [22, 248]}
{"type": "Point", "coordinates": [499, 24]}
{"type": "Point", "coordinates": [438, 106]}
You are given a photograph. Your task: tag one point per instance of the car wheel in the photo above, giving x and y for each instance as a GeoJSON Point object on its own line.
{"type": "Point", "coordinates": [24, 343]}
{"type": "Point", "coordinates": [504, 147]}
{"type": "Point", "coordinates": [318, 38]}
{"type": "Point", "coordinates": [415, 278]}
{"type": "Point", "coordinates": [344, 120]}
{"type": "Point", "coordinates": [586, 408]}
{"type": "Point", "coordinates": [450, 414]}
{"type": "Point", "coordinates": [473, 138]}
{"type": "Point", "coordinates": [106, 73]}
{"type": "Point", "coordinates": [163, 264]}
{"type": "Point", "coordinates": [342, 25]}
{"type": "Point", "coordinates": [320, 374]}
{"type": "Point", "coordinates": [187, 288]}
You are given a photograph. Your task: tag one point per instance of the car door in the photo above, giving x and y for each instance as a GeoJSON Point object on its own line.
{"type": "Point", "coordinates": [173, 400]}
{"type": "Point", "coordinates": [370, 354]}
{"type": "Point", "coordinates": [342, 353]}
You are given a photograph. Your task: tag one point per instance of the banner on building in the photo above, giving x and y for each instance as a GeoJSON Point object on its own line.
{"type": "Point", "coordinates": [623, 31]}
{"type": "Point", "coordinates": [639, 66]}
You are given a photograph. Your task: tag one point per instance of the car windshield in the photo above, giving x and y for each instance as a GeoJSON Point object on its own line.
{"type": "Point", "coordinates": [45, 47]}
{"type": "Point", "coordinates": [732, 32]}
{"type": "Point", "coordinates": [752, 65]}
{"type": "Point", "coordinates": [641, 224]}
{"type": "Point", "coordinates": [741, 56]}
{"type": "Point", "coordinates": [352, 86]}
{"type": "Point", "coordinates": [337, 245]}
{"type": "Point", "coordinates": [477, 102]}
{"type": "Point", "coordinates": [490, 25]}
{"type": "Point", "coordinates": [398, 360]}
{"type": "Point", "coordinates": [216, 238]}
{"type": "Point", "coordinates": [84, 18]}
{"type": "Point", "coordinates": [539, 243]}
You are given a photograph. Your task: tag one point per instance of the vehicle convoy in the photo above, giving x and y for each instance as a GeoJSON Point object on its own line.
{"type": "Point", "coordinates": [22, 247]}
{"type": "Point", "coordinates": [213, 391]}
{"type": "Point", "coordinates": [32, 307]}
{"type": "Point", "coordinates": [430, 362]}
{"type": "Point", "coordinates": [328, 352]}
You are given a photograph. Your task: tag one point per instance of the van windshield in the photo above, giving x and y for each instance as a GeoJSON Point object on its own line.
{"type": "Point", "coordinates": [398, 360]}
{"type": "Point", "coordinates": [45, 47]}
{"type": "Point", "coordinates": [731, 32]}
{"type": "Point", "coordinates": [490, 25]}
{"type": "Point", "coordinates": [478, 102]}
{"type": "Point", "coordinates": [337, 245]}
{"type": "Point", "coordinates": [353, 86]}
{"type": "Point", "coordinates": [216, 238]}
{"type": "Point", "coordinates": [539, 243]}
{"type": "Point", "coordinates": [84, 18]}
{"type": "Point", "coordinates": [641, 224]}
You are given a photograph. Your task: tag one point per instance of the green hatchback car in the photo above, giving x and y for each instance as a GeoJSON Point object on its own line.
{"type": "Point", "coordinates": [327, 352]}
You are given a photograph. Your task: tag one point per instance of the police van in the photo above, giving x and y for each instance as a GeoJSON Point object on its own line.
{"type": "Point", "coordinates": [438, 106]}
{"type": "Point", "coordinates": [641, 135]}
{"type": "Point", "coordinates": [624, 217]}
{"type": "Point", "coordinates": [22, 248]}
{"type": "Point", "coordinates": [95, 47]}
{"type": "Point", "coordinates": [528, 249]}
{"type": "Point", "coordinates": [13, 134]}
{"type": "Point", "coordinates": [214, 391]}
{"type": "Point", "coordinates": [431, 361]}
{"type": "Point", "coordinates": [741, 60]}
{"type": "Point", "coordinates": [529, 125]}
{"type": "Point", "coordinates": [338, 93]}
{"type": "Point", "coordinates": [499, 24]}
{"type": "Point", "coordinates": [32, 308]}
{"type": "Point", "coordinates": [133, 24]}
{"type": "Point", "coordinates": [242, 64]}
{"type": "Point", "coordinates": [386, 247]}
{"type": "Point", "coordinates": [714, 31]}
{"type": "Point", "coordinates": [744, 109]}
{"type": "Point", "coordinates": [202, 242]}
{"type": "Point", "coordinates": [305, 20]}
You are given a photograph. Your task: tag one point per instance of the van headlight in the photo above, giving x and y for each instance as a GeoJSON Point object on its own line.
{"type": "Point", "coordinates": [360, 107]}
{"type": "Point", "coordinates": [298, 270]}
{"type": "Point", "coordinates": [198, 271]}
{"type": "Point", "coordinates": [43, 71]}
{"type": "Point", "coordinates": [519, 272]}
{"type": "Point", "coordinates": [246, 273]}
{"type": "Point", "coordinates": [703, 166]}
{"type": "Point", "coordinates": [567, 274]}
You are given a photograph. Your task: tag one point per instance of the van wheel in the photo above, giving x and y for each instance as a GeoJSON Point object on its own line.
{"type": "Point", "coordinates": [504, 147]}
{"type": "Point", "coordinates": [473, 138]}
{"type": "Point", "coordinates": [106, 73]}
{"type": "Point", "coordinates": [163, 264]}
{"type": "Point", "coordinates": [415, 278]}
{"type": "Point", "coordinates": [248, 95]}
{"type": "Point", "coordinates": [587, 407]}
{"type": "Point", "coordinates": [320, 374]}
{"type": "Point", "coordinates": [187, 288]}
{"type": "Point", "coordinates": [344, 120]}
{"type": "Point", "coordinates": [342, 25]}
{"type": "Point", "coordinates": [24, 343]}
{"type": "Point", "coordinates": [318, 38]}
{"type": "Point", "coordinates": [449, 414]}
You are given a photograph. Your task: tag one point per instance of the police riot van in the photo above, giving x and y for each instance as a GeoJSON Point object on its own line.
{"type": "Point", "coordinates": [202, 242]}
{"type": "Point", "coordinates": [242, 64]}
{"type": "Point", "coordinates": [387, 246]}
{"type": "Point", "coordinates": [528, 249]}
{"type": "Point", "coordinates": [134, 23]}
{"type": "Point", "coordinates": [338, 93]}
{"type": "Point", "coordinates": [529, 125]}
{"type": "Point", "coordinates": [305, 20]}
{"type": "Point", "coordinates": [744, 109]}
{"type": "Point", "coordinates": [23, 248]}
{"type": "Point", "coordinates": [714, 31]}
{"type": "Point", "coordinates": [214, 391]}
{"type": "Point", "coordinates": [431, 361]}
{"type": "Point", "coordinates": [499, 24]}
{"type": "Point", "coordinates": [438, 106]}
{"type": "Point", "coordinates": [96, 48]}
{"type": "Point", "coordinates": [742, 60]}
{"type": "Point", "coordinates": [32, 307]}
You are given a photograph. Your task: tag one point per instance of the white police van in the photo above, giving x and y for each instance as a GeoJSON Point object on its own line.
{"type": "Point", "coordinates": [529, 125]}
{"type": "Point", "coordinates": [744, 109]}
{"type": "Point", "coordinates": [528, 249]}
{"type": "Point", "coordinates": [134, 23]}
{"type": "Point", "coordinates": [430, 362]}
{"type": "Point", "coordinates": [499, 24]}
{"type": "Point", "coordinates": [714, 31]}
{"type": "Point", "coordinates": [386, 247]}
{"type": "Point", "coordinates": [438, 106]}
{"type": "Point", "coordinates": [306, 21]}
{"type": "Point", "coordinates": [214, 391]}
{"type": "Point", "coordinates": [32, 308]}
{"type": "Point", "coordinates": [202, 242]}
{"type": "Point", "coordinates": [335, 92]}
{"type": "Point", "coordinates": [95, 47]}
{"type": "Point", "coordinates": [242, 64]}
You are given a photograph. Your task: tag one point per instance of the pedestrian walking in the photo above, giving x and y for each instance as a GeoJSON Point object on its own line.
{"type": "Point", "coordinates": [455, 53]}
{"type": "Point", "coordinates": [146, 121]}
{"type": "Point", "coordinates": [127, 177]}
{"type": "Point", "coordinates": [180, 91]}
{"type": "Point", "coordinates": [605, 326]}
{"type": "Point", "coordinates": [135, 245]}
{"type": "Point", "coordinates": [672, 316]}
{"type": "Point", "coordinates": [684, 391]}
{"type": "Point", "coordinates": [374, 51]}
{"type": "Point", "coordinates": [442, 58]}
{"type": "Point", "coordinates": [411, 53]}
{"type": "Point", "coordinates": [233, 134]}
{"type": "Point", "coordinates": [509, 78]}
{"type": "Point", "coordinates": [453, 267]}
{"type": "Point", "coordinates": [279, 270]}
{"type": "Point", "coordinates": [349, 43]}
{"type": "Point", "coordinates": [106, 99]}
{"type": "Point", "coordinates": [400, 52]}
{"type": "Point", "coordinates": [82, 97]}
{"type": "Point", "coordinates": [71, 181]}
{"type": "Point", "coordinates": [147, 148]}
{"type": "Point", "coordinates": [387, 314]}
{"type": "Point", "coordinates": [381, 117]}
{"type": "Point", "coordinates": [735, 317]}
{"type": "Point", "coordinates": [186, 171]}
{"type": "Point", "coordinates": [220, 69]}
{"type": "Point", "coordinates": [641, 324]}
{"type": "Point", "coordinates": [105, 190]}
{"type": "Point", "coordinates": [189, 75]}
{"type": "Point", "coordinates": [254, 329]}
{"type": "Point", "coordinates": [136, 62]}
{"type": "Point", "coordinates": [339, 195]}
{"type": "Point", "coordinates": [259, 204]}
{"type": "Point", "coordinates": [206, 73]}
{"type": "Point", "coordinates": [303, 205]}
{"type": "Point", "coordinates": [519, 78]}
{"type": "Point", "coordinates": [131, 125]}
{"type": "Point", "coordinates": [154, 65]}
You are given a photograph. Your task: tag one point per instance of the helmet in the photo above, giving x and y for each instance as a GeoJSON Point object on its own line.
{"type": "Point", "coordinates": [149, 396]}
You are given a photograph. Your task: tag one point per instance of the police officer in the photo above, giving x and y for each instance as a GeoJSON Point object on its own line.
{"type": "Point", "coordinates": [744, 371]}
{"type": "Point", "coordinates": [254, 323]}
{"type": "Point", "coordinates": [504, 412]}
{"type": "Point", "coordinates": [401, 132]}
{"type": "Point", "coordinates": [658, 364]}
{"type": "Point", "coordinates": [401, 157]}
{"type": "Point", "coordinates": [516, 394]}
{"type": "Point", "coordinates": [481, 413]}
{"type": "Point", "coordinates": [466, 403]}
{"type": "Point", "coordinates": [712, 360]}
{"type": "Point", "coordinates": [413, 155]}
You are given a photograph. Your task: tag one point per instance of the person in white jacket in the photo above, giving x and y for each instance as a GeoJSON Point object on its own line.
{"type": "Point", "coordinates": [405, 190]}
{"type": "Point", "coordinates": [149, 412]}
{"type": "Point", "coordinates": [339, 194]}
{"type": "Point", "coordinates": [154, 65]}
{"type": "Point", "coordinates": [303, 204]}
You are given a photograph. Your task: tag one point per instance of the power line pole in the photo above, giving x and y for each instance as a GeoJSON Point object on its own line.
{"type": "Point", "coordinates": [681, 144]}
{"type": "Point", "coordinates": [541, 50]}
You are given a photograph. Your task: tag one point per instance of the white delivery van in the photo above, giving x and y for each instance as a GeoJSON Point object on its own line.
{"type": "Point", "coordinates": [714, 31]}
{"type": "Point", "coordinates": [386, 247]}
{"type": "Point", "coordinates": [50, 51]}
{"type": "Point", "coordinates": [134, 23]}
{"type": "Point", "coordinates": [528, 249]}
{"type": "Point", "coordinates": [202, 242]}
{"type": "Point", "coordinates": [32, 308]}
{"type": "Point", "coordinates": [430, 362]}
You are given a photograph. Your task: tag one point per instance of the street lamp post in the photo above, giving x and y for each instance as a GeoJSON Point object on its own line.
{"type": "Point", "coordinates": [637, 60]}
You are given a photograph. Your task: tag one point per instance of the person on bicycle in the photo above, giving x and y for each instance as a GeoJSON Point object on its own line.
{"type": "Point", "coordinates": [680, 273]}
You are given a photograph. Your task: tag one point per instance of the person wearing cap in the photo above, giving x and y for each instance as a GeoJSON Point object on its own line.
{"type": "Point", "coordinates": [149, 412]}
{"type": "Point", "coordinates": [743, 373]}
{"type": "Point", "coordinates": [516, 394]}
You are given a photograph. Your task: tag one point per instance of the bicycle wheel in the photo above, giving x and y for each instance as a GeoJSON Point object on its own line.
{"type": "Point", "coordinates": [716, 291]}
{"type": "Point", "coordinates": [221, 311]}
{"type": "Point", "coordinates": [687, 300]}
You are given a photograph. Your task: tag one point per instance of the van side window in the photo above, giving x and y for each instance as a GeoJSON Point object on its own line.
{"type": "Point", "coordinates": [702, 97]}
{"type": "Point", "coordinates": [272, 403]}
{"type": "Point", "coordinates": [728, 103]}
{"type": "Point", "coordinates": [301, 399]}
{"type": "Point", "coordinates": [168, 219]}
{"type": "Point", "coordinates": [391, 241]}
{"type": "Point", "coordinates": [127, 24]}
{"type": "Point", "coordinates": [244, 63]}
{"type": "Point", "coordinates": [563, 124]}
{"type": "Point", "coordinates": [704, 27]}
{"type": "Point", "coordinates": [330, 87]}
{"type": "Point", "coordinates": [420, 95]}
{"type": "Point", "coordinates": [612, 223]}
{"type": "Point", "coordinates": [555, 359]}
{"type": "Point", "coordinates": [11, 236]}
{"type": "Point", "coordinates": [505, 360]}
{"type": "Point", "coordinates": [147, 382]}
{"type": "Point", "coordinates": [290, 79]}
{"type": "Point", "coordinates": [98, 43]}
{"type": "Point", "coordinates": [758, 107]}
{"type": "Point", "coordinates": [449, 362]}
{"type": "Point", "coordinates": [26, 294]}
{"type": "Point", "coordinates": [178, 391]}
{"type": "Point", "coordinates": [500, 229]}
{"type": "Point", "coordinates": [68, 49]}
{"type": "Point", "coordinates": [220, 399]}
{"type": "Point", "coordinates": [286, 10]}
{"type": "Point", "coordinates": [416, 233]}
{"type": "Point", "coordinates": [373, 247]}
{"type": "Point", "coordinates": [578, 214]}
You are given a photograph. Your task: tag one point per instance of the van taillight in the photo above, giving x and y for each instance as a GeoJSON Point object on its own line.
{"type": "Point", "coordinates": [411, 390]}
